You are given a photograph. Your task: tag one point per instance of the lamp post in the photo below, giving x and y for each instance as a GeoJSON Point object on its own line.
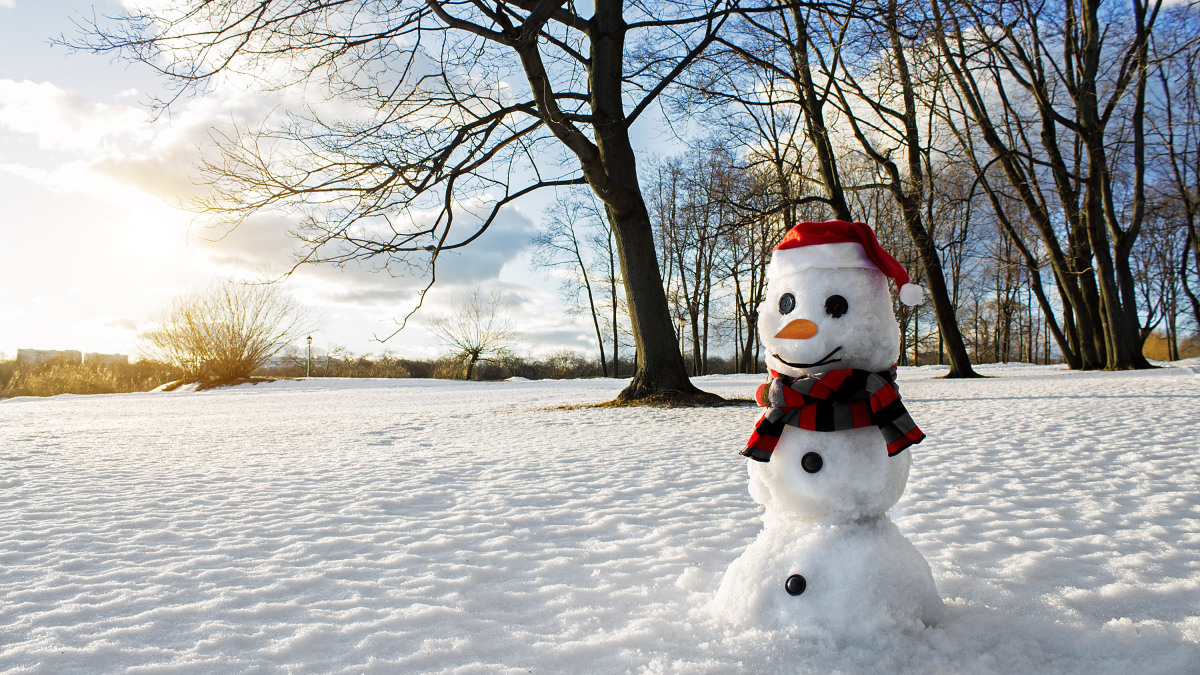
{"type": "Point", "coordinates": [682, 321]}
{"type": "Point", "coordinates": [308, 365]}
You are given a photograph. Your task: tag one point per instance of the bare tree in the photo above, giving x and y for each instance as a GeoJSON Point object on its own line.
{"type": "Point", "coordinates": [559, 245]}
{"type": "Point", "coordinates": [1159, 266]}
{"type": "Point", "coordinates": [691, 205]}
{"type": "Point", "coordinates": [1076, 74]}
{"type": "Point", "coordinates": [604, 244]}
{"type": "Point", "coordinates": [1175, 120]}
{"type": "Point", "coordinates": [746, 247]}
{"type": "Point", "coordinates": [448, 111]}
{"type": "Point", "coordinates": [477, 329]}
{"type": "Point", "coordinates": [877, 85]}
{"type": "Point", "coordinates": [851, 60]}
{"type": "Point", "coordinates": [227, 331]}
{"type": "Point", "coordinates": [766, 92]}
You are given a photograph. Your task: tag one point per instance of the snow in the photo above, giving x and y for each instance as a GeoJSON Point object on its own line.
{"type": "Point", "coordinates": [417, 525]}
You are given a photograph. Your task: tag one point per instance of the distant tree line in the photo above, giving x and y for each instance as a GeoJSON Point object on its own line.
{"type": "Point", "coordinates": [339, 362]}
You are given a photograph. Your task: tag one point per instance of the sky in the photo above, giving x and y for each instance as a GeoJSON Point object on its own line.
{"type": "Point", "coordinates": [94, 244]}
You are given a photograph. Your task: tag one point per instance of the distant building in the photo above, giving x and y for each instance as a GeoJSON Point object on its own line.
{"type": "Point", "coordinates": [106, 359]}
{"type": "Point", "coordinates": [283, 361]}
{"type": "Point", "coordinates": [32, 357]}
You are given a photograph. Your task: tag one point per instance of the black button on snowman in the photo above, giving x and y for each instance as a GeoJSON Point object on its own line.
{"type": "Point", "coordinates": [795, 584]}
{"type": "Point", "coordinates": [811, 462]}
{"type": "Point", "coordinates": [830, 449]}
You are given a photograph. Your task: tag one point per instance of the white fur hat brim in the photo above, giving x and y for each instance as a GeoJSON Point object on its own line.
{"type": "Point", "coordinates": [824, 256]}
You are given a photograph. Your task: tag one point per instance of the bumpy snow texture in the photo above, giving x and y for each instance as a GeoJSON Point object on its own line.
{"type": "Point", "coordinates": [348, 526]}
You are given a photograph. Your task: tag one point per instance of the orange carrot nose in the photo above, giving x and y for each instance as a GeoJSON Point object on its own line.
{"type": "Point", "coordinates": [800, 329]}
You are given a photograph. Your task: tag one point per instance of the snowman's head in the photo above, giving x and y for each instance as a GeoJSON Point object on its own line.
{"type": "Point", "coordinates": [826, 319]}
{"type": "Point", "coordinates": [827, 305]}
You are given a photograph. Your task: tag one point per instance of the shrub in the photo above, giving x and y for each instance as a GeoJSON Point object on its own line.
{"type": "Point", "coordinates": [63, 377]}
{"type": "Point", "coordinates": [7, 370]}
{"type": "Point", "coordinates": [226, 332]}
{"type": "Point", "coordinates": [339, 365]}
{"type": "Point", "coordinates": [1155, 346]}
{"type": "Point", "coordinates": [449, 368]}
{"type": "Point", "coordinates": [566, 365]}
{"type": "Point", "coordinates": [477, 330]}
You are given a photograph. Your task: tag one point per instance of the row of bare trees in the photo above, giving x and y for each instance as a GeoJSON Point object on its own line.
{"type": "Point", "coordinates": [1046, 140]}
{"type": "Point", "coordinates": [1068, 125]}
{"type": "Point", "coordinates": [715, 257]}
{"type": "Point", "coordinates": [1038, 177]}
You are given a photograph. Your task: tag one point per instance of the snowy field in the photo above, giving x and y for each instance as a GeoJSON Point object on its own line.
{"type": "Point", "coordinates": [416, 525]}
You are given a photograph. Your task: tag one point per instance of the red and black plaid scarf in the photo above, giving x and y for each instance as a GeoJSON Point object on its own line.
{"type": "Point", "coordinates": [837, 401]}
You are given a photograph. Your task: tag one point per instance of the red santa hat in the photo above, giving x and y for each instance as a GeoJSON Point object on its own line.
{"type": "Point", "coordinates": [836, 244]}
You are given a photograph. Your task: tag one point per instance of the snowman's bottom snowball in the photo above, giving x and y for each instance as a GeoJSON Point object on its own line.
{"type": "Point", "coordinates": [859, 578]}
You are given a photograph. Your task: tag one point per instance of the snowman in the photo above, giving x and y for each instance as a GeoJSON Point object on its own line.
{"type": "Point", "coordinates": [829, 451]}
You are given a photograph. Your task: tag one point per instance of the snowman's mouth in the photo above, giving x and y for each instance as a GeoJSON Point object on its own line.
{"type": "Point", "coordinates": [825, 360]}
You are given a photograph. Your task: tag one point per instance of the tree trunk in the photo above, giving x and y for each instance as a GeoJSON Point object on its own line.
{"type": "Point", "coordinates": [749, 363]}
{"type": "Point", "coordinates": [908, 191]}
{"type": "Point", "coordinates": [707, 307]}
{"type": "Point", "coordinates": [812, 103]}
{"type": "Point", "coordinates": [587, 285]}
{"type": "Point", "coordinates": [1071, 269]}
{"type": "Point", "coordinates": [1067, 345]}
{"type": "Point", "coordinates": [1185, 271]}
{"type": "Point", "coordinates": [660, 367]}
{"type": "Point", "coordinates": [1122, 347]}
{"type": "Point", "coordinates": [696, 364]}
{"type": "Point", "coordinates": [977, 350]}
{"type": "Point", "coordinates": [612, 289]}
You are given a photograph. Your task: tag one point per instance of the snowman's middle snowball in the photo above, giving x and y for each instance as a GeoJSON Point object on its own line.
{"type": "Point", "coordinates": [856, 479]}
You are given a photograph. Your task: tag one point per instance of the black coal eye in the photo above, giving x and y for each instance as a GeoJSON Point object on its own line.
{"type": "Point", "coordinates": [787, 302]}
{"type": "Point", "coordinates": [836, 305]}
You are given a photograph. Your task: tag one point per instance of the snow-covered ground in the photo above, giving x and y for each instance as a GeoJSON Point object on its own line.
{"type": "Point", "coordinates": [417, 525]}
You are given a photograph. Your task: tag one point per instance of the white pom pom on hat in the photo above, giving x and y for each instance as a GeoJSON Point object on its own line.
{"type": "Point", "coordinates": [911, 294]}
{"type": "Point", "coordinates": [835, 244]}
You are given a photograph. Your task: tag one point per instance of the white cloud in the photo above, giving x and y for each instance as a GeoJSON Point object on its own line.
{"type": "Point", "coordinates": [65, 121]}
{"type": "Point", "coordinates": [121, 141]}
{"type": "Point", "coordinates": [7, 4]}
